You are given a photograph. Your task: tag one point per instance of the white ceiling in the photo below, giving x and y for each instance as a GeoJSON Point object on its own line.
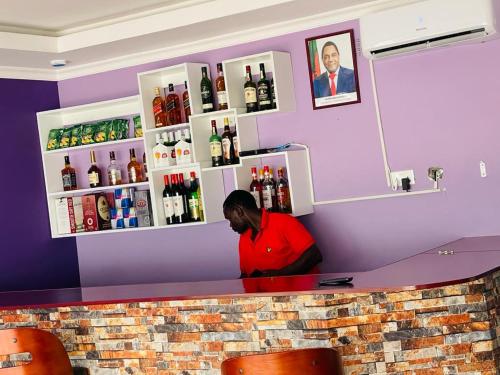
{"type": "Point", "coordinates": [99, 35]}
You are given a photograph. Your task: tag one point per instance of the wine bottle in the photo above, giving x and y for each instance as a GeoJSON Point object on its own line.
{"type": "Point", "coordinates": [215, 142]}
{"type": "Point", "coordinates": [250, 90]}
{"type": "Point", "coordinates": [207, 97]}
{"type": "Point", "coordinates": [194, 199]}
{"type": "Point", "coordinates": [264, 90]}
{"type": "Point", "coordinates": [168, 204]}
{"type": "Point", "coordinates": [185, 199]}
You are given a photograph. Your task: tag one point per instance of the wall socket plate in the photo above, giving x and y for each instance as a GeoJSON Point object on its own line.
{"type": "Point", "coordinates": [397, 176]}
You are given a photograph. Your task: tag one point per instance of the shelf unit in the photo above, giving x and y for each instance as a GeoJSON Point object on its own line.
{"type": "Point", "coordinates": [278, 66]}
{"type": "Point", "coordinates": [297, 171]}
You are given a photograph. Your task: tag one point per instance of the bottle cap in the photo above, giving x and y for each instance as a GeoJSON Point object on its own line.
{"type": "Point", "coordinates": [181, 178]}
{"type": "Point", "coordinates": [158, 137]}
{"type": "Point", "coordinates": [254, 170]}
{"type": "Point", "coordinates": [170, 87]}
{"type": "Point", "coordinates": [66, 159]}
{"type": "Point", "coordinates": [178, 135]}
{"type": "Point", "coordinates": [214, 123]}
{"type": "Point", "coordinates": [193, 174]}
{"type": "Point", "coordinates": [247, 68]}
{"type": "Point", "coordinates": [266, 168]}
{"type": "Point", "coordinates": [173, 178]}
{"type": "Point", "coordinates": [165, 179]}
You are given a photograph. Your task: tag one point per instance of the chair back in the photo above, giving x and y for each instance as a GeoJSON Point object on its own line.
{"type": "Point", "coordinates": [47, 353]}
{"type": "Point", "coordinates": [320, 361]}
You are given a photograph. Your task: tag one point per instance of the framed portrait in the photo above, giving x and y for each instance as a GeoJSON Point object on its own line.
{"type": "Point", "coordinates": [333, 71]}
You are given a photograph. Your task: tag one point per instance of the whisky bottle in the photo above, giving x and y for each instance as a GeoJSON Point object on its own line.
{"type": "Point", "coordinates": [134, 169]}
{"type": "Point", "coordinates": [145, 166]}
{"type": "Point", "coordinates": [236, 146]}
{"type": "Point", "coordinates": [268, 191]}
{"type": "Point", "coordinates": [256, 189]}
{"type": "Point", "coordinates": [185, 102]}
{"type": "Point", "coordinates": [68, 175]}
{"type": "Point", "coordinates": [220, 85]}
{"type": "Point", "coordinates": [215, 142]}
{"type": "Point", "coordinates": [159, 111]}
{"type": "Point", "coordinates": [273, 94]}
{"type": "Point", "coordinates": [227, 144]}
{"type": "Point", "coordinates": [283, 193]}
{"type": "Point", "coordinates": [173, 107]}
{"type": "Point", "coordinates": [250, 90]}
{"type": "Point", "coordinates": [114, 170]}
{"type": "Point", "coordinates": [207, 97]}
{"type": "Point", "coordinates": [94, 173]}
{"type": "Point", "coordinates": [264, 90]}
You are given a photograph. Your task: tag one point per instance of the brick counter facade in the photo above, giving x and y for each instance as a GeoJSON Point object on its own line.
{"type": "Point", "coordinates": [446, 330]}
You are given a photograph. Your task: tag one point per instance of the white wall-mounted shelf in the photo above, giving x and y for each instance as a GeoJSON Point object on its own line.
{"type": "Point", "coordinates": [278, 66]}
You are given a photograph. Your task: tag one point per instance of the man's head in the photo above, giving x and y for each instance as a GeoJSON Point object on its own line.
{"type": "Point", "coordinates": [330, 56]}
{"type": "Point", "coordinates": [237, 206]}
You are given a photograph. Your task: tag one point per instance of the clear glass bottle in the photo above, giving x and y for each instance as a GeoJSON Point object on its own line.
{"type": "Point", "coordinates": [114, 170]}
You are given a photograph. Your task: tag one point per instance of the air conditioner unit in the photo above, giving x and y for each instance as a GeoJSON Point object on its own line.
{"type": "Point", "coordinates": [427, 24]}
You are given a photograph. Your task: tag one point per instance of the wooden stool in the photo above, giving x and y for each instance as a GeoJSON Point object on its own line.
{"type": "Point", "coordinates": [320, 361]}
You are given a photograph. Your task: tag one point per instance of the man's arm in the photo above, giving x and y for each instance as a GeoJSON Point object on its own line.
{"type": "Point", "coordinates": [309, 258]}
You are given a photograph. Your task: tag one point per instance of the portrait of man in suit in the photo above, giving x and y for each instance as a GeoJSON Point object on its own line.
{"type": "Point", "coordinates": [333, 69]}
{"type": "Point", "coordinates": [337, 79]}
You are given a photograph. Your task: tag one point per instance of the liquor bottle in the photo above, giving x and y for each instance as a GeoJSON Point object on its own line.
{"type": "Point", "coordinates": [273, 95]}
{"type": "Point", "coordinates": [177, 200]}
{"type": "Point", "coordinates": [185, 199]}
{"type": "Point", "coordinates": [159, 111]}
{"type": "Point", "coordinates": [264, 90]}
{"type": "Point", "coordinates": [268, 191]}
{"type": "Point", "coordinates": [182, 149]}
{"type": "Point", "coordinates": [215, 146]}
{"type": "Point", "coordinates": [134, 169]}
{"type": "Point", "coordinates": [94, 173]}
{"type": "Point", "coordinates": [236, 146]}
{"type": "Point", "coordinates": [283, 193]}
{"type": "Point", "coordinates": [220, 85]}
{"type": "Point", "coordinates": [185, 102]}
{"type": "Point", "coordinates": [256, 189]}
{"type": "Point", "coordinates": [171, 146]}
{"type": "Point", "coordinates": [168, 204]}
{"type": "Point", "coordinates": [114, 170]}
{"type": "Point", "coordinates": [145, 166]}
{"type": "Point", "coordinates": [271, 176]}
{"type": "Point", "coordinates": [173, 107]}
{"type": "Point", "coordinates": [68, 175]}
{"type": "Point", "coordinates": [207, 96]}
{"type": "Point", "coordinates": [227, 144]}
{"type": "Point", "coordinates": [250, 90]}
{"type": "Point", "coordinates": [161, 153]}
{"type": "Point", "coordinates": [194, 199]}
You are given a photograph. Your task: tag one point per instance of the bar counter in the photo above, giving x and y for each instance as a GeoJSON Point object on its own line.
{"type": "Point", "coordinates": [434, 313]}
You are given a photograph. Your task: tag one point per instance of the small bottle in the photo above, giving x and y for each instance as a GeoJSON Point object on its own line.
{"type": "Point", "coordinates": [185, 102]}
{"type": "Point", "coordinates": [268, 191]}
{"type": "Point", "coordinates": [236, 146]}
{"type": "Point", "coordinates": [114, 170]}
{"type": "Point", "coordinates": [220, 85]}
{"type": "Point", "coordinates": [168, 204]}
{"type": "Point", "coordinates": [227, 144]}
{"type": "Point", "coordinates": [68, 175]}
{"type": "Point", "coordinates": [215, 146]}
{"type": "Point", "coordinates": [250, 90]}
{"type": "Point", "coordinates": [134, 169]}
{"type": "Point", "coordinates": [256, 189]}
{"type": "Point", "coordinates": [273, 95]}
{"type": "Point", "coordinates": [159, 112]}
{"type": "Point", "coordinates": [207, 97]}
{"type": "Point", "coordinates": [194, 199]}
{"type": "Point", "coordinates": [94, 173]}
{"type": "Point", "coordinates": [145, 166]}
{"type": "Point", "coordinates": [172, 106]}
{"type": "Point", "coordinates": [264, 90]}
{"type": "Point", "coordinates": [283, 193]}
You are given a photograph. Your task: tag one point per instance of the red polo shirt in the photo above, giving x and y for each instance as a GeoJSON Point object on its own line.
{"type": "Point", "coordinates": [282, 239]}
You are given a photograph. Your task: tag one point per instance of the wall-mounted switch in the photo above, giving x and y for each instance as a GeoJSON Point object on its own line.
{"type": "Point", "coordinates": [397, 177]}
{"type": "Point", "coordinates": [482, 168]}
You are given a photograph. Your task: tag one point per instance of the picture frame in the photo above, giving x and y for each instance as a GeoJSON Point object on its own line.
{"type": "Point", "coordinates": [333, 69]}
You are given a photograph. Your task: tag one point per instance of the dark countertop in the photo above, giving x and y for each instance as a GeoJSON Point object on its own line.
{"type": "Point", "coordinates": [472, 257]}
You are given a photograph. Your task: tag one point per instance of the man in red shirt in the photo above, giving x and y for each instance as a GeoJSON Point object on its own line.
{"type": "Point", "coordinates": [271, 244]}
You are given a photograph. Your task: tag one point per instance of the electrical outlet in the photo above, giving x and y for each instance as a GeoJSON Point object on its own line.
{"type": "Point", "coordinates": [396, 178]}
{"type": "Point", "coordinates": [482, 169]}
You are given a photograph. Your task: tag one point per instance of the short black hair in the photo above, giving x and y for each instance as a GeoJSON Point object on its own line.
{"type": "Point", "coordinates": [241, 198]}
{"type": "Point", "coordinates": [329, 43]}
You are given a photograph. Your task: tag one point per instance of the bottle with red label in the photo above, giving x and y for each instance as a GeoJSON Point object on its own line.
{"type": "Point", "coordinates": [256, 189]}
{"type": "Point", "coordinates": [283, 193]}
{"type": "Point", "coordinates": [185, 102]}
{"type": "Point", "coordinates": [159, 111]}
{"type": "Point", "coordinates": [173, 107]}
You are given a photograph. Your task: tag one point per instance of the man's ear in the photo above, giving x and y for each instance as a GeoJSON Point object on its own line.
{"type": "Point", "coordinates": [238, 210]}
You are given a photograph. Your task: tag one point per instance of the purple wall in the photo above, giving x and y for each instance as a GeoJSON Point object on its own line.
{"type": "Point", "coordinates": [30, 259]}
{"type": "Point", "coordinates": [438, 107]}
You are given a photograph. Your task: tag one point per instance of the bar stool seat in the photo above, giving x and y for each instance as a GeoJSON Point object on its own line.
{"type": "Point", "coordinates": [318, 361]}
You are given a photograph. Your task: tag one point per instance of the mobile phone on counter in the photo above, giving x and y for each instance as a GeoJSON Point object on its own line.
{"type": "Point", "coordinates": [336, 281]}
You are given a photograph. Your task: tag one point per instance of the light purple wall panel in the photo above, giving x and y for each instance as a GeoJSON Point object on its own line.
{"type": "Point", "coordinates": [439, 107]}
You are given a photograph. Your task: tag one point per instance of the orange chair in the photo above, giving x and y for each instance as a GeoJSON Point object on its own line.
{"type": "Point", "coordinates": [47, 353]}
{"type": "Point", "coordinates": [321, 361]}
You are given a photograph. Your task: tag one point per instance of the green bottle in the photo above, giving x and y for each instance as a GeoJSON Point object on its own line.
{"type": "Point", "coordinates": [215, 146]}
